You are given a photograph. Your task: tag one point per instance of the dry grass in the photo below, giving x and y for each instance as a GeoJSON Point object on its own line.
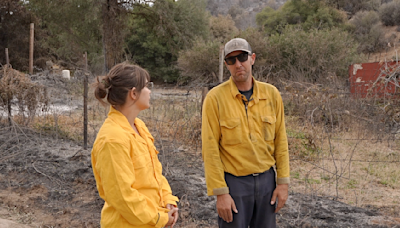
{"type": "Point", "coordinates": [358, 172]}
{"type": "Point", "coordinates": [344, 148]}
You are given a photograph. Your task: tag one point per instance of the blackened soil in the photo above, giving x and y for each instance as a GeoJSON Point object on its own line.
{"type": "Point", "coordinates": [51, 180]}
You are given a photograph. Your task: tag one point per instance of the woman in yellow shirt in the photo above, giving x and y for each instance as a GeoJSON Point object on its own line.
{"type": "Point", "coordinates": [124, 159]}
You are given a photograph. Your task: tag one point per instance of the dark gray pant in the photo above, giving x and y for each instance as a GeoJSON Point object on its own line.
{"type": "Point", "coordinates": [252, 196]}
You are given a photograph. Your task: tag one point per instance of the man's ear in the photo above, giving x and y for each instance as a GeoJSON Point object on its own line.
{"type": "Point", "coordinates": [253, 58]}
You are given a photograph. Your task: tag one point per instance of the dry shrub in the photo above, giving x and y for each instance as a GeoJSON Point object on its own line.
{"type": "Point", "coordinates": [340, 145]}
{"type": "Point", "coordinates": [16, 87]}
{"type": "Point", "coordinates": [389, 13]}
{"type": "Point", "coordinates": [368, 31]}
{"type": "Point", "coordinates": [176, 116]}
{"type": "Point", "coordinates": [331, 109]}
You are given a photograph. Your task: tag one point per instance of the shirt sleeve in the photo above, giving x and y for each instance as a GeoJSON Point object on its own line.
{"type": "Point", "coordinates": [167, 196]}
{"type": "Point", "coordinates": [210, 135]}
{"type": "Point", "coordinates": [281, 144]}
{"type": "Point", "coordinates": [115, 168]}
{"type": "Point", "coordinates": [167, 193]}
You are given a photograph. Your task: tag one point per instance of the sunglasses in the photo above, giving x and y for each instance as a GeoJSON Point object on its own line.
{"type": "Point", "coordinates": [241, 57]}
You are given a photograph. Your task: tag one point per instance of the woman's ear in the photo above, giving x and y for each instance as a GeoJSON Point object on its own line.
{"type": "Point", "coordinates": [133, 93]}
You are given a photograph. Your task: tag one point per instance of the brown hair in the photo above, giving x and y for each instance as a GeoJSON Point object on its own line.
{"type": "Point", "coordinates": [117, 83]}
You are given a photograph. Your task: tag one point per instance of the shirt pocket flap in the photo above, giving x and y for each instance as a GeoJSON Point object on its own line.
{"type": "Point", "coordinates": [268, 119]}
{"type": "Point", "coordinates": [230, 123]}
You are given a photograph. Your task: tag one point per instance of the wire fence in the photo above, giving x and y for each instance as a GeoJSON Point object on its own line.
{"type": "Point", "coordinates": [337, 142]}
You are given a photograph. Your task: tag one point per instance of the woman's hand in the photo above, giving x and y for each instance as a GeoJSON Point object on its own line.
{"type": "Point", "coordinates": [172, 215]}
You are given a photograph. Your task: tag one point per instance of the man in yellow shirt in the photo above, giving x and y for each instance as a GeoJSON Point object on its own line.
{"type": "Point", "coordinates": [244, 144]}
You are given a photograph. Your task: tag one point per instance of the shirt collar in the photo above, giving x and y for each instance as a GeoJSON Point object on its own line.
{"type": "Point", "coordinates": [256, 93]}
{"type": "Point", "coordinates": [120, 119]}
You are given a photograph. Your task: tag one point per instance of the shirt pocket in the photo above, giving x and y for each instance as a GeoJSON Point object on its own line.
{"type": "Point", "coordinates": [268, 126]}
{"type": "Point", "coordinates": [231, 131]}
{"type": "Point", "coordinates": [142, 158]}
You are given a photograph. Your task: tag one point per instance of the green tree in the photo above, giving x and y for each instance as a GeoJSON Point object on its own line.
{"type": "Point", "coordinates": [160, 31]}
{"type": "Point", "coordinates": [15, 21]}
{"type": "Point", "coordinates": [72, 27]}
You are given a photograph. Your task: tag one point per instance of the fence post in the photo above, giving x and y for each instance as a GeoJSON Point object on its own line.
{"type": "Point", "coordinates": [221, 63]}
{"type": "Point", "coordinates": [7, 59]}
{"type": "Point", "coordinates": [85, 108]}
{"type": "Point", "coordinates": [31, 49]}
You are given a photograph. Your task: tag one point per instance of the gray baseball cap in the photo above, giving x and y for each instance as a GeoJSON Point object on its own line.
{"type": "Point", "coordinates": [237, 44]}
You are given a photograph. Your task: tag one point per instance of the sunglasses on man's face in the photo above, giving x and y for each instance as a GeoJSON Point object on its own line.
{"type": "Point", "coordinates": [242, 57]}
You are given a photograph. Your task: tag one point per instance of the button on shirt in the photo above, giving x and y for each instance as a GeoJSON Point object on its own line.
{"type": "Point", "coordinates": [239, 142]}
{"type": "Point", "coordinates": [129, 175]}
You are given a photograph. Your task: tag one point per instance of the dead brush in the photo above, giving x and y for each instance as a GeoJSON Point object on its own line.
{"type": "Point", "coordinates": [340, 146]}
{"type": "Point", "coordinates": [17, 88]}
{"type": "Point", "coordinates": [176, 118]}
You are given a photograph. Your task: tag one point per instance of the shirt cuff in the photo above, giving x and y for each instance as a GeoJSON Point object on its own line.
{"type": "Point", "coordinates": [172, 202]}
{"type": "Point", "coordinates": [220, 191]}
{"type": "Point", "coordinates": [283, 180]}
{"type": "Point", "coordinates": [161, 220]}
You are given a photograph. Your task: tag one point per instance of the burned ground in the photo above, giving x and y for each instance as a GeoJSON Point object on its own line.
{"type": "Point", "coordinates": [48, 182]}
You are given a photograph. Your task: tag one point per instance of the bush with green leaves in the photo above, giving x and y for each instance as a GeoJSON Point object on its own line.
{"type": "Point", "coordinates": [368, 31]}
{"type": "Point", "coordinates": [311, 55]}
{"type": "Point", "coordinates": [389, 13]}
{"type": "Point", "coordinates": [222, 28]}
{"type": "Point", "coordinates": [199, 64]}
{"type": "Point", "coordinates": [310, 14]}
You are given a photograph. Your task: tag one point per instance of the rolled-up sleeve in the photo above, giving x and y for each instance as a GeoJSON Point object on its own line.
{"type": "Point", "coordinates": [210, 135]}
{"type": "Point", "coordinates": [281, 144]}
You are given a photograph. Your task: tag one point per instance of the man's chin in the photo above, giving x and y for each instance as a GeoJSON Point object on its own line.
{"type": "Point", "coordinates": [241, 77]}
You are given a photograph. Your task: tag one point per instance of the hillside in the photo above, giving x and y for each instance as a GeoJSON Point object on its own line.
{"type": "Point", "coordinates": [242, 12]}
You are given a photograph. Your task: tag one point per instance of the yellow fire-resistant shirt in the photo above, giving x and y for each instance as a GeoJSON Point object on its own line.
{"type": "Point", "coordinates": [129, 175]}
{"type": "Point", "coordinates": [243, 142]}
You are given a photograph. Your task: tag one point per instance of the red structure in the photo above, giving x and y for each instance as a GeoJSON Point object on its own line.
{"type": "Point", "coordinates": [375, 79]}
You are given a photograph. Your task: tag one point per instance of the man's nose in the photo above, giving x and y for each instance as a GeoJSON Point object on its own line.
{"type": "Point", "coordinates": [238, 63]}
